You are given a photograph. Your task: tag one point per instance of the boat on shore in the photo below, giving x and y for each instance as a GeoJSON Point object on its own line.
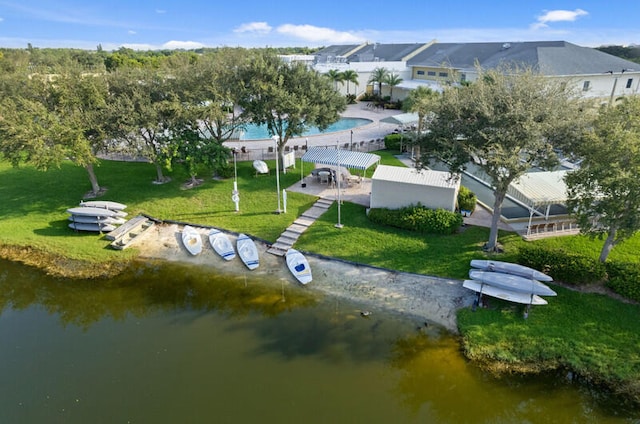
{"type": "Point", "coordinates": [299, 266]}
{"type": "Point", "coordinates": [510, 268]}
{"type": "Point", "coordinates": [221, 244]}
{"type": "Point", "coordinates": [511, 282]}
{"type": "Point", "coordinates": [499, 293]}
{"type": "Point", "coordinates": [95, 212]}
{"type": "Point", "coordinates": [260, 167]}
{"type": "Point", "coordinates": [92, 227]}
{"type": "Point", "coordinates": [248, 251]}
{"type": "Point", "coordinates": [88, 219]}
{"type": "Point", "coordinates": [191, 240]}
{"type": "Point", "coordinates": [104, 204]}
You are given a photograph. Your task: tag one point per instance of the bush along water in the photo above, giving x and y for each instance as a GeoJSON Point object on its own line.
{"type": "Point", "coordinates": [575, 269]}
{"type": "Point", "coordinates": [418, 218]}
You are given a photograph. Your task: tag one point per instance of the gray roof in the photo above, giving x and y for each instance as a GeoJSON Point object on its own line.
{"type": "Point", "coordinates": [336, 50]}
{"type": "Point", "coordinates": [549, 57]}
{"type": "Point", "coordinates": [383, 52]}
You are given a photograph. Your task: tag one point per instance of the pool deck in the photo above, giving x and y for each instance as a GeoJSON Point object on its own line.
{"type": "Point", "coordinates": [366, 133]}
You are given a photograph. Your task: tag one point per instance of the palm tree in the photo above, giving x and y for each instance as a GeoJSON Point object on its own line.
{"type": "Point", "coordinates": [350, 76]}
{"type": "Point", "coordinates": [422, 100]}
{"type": "Point", "coordinates": [392, 80]}
{"type": "Point", "coordinates": [335, 76]}
{"type": "Point", "coordinates": [377, 76]}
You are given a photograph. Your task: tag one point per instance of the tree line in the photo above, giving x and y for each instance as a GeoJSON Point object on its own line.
{"type": "Point", "coordinates": [179, 109]}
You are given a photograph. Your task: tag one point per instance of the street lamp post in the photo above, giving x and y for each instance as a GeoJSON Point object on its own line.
{"type": "Point", "coordinates": [338, 177]}
{"type": "Point", "coordinates": [275, 139]}
{"type": "Point", "coordinates": [235, 195]}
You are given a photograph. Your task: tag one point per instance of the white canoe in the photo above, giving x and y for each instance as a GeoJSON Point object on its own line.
{"type": "Point", "coordinates": [511, 282]}
{"type": "Point", "coordinates": [510, 268]}
{"type": "Point", "coordinates": [88, 219]}
{"type": "Point", "coordinates": [511, 296]}
{"type": "Point", "coordinates": [299, 266]}
{"type": "Point", "coordinates": [95, 227]}
{"type": "Point", "coordinates": [260, 167]}
{"type": "Point", "coordinates": [98, 212]}
{"type": "Point", "coordinates": [104, 204]}
{"type": "Point", "coordinates": [221, 244]}
{"type": "Point", "coordinates": [191, 240]}
{"type": "Point", "coordinates": [248, 251]}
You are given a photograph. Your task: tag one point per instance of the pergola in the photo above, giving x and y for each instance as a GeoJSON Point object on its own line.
{"type": "Point", "coordinates": [539, 189]}
{"type": "Point", "coordinates": [344, 158]}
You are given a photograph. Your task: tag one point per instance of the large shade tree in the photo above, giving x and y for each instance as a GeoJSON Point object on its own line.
{"type": "Point", "coordinates": [143, 107]}
{"type": "Point", "coordinates": [288, 98]}
{"type": "Point", "coordinates": [55, 117]}
{"type": "Point", "coordinates": [604, 192]}
{"type": "Point", "coordinates": [505, 123]}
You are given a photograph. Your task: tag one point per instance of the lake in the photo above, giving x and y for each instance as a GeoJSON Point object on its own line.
{"type": "Point", "coordinates": [167, 343]}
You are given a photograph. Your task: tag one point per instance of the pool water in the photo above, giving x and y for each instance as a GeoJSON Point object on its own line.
{"type": "Point", "coordinates": [260, 132]}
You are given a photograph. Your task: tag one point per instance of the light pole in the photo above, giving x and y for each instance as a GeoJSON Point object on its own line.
{"type": "Point", "coordinates": [275, 139]}
{"type": "Point", "coordinates": [235, 195]}
{"type": "Point", "coordinates": [338, 177]}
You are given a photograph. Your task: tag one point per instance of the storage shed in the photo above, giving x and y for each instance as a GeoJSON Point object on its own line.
{"type": "Point", "coordinates": [394, 187]}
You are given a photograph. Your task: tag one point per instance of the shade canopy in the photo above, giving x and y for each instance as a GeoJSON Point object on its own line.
{"type": "Point", "coordinates": [402, 119]}
{"type": "Point", "coordinates": [345, 158]}
{"type": "Point", "coordinates": [540, 188]}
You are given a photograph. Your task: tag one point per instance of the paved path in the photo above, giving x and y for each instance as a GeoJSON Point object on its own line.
{"type": "Point", "coordinates": [300, 225]}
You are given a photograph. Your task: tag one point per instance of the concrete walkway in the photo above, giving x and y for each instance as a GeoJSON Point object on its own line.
{"type": "Point", "coordinates": [299, 226]}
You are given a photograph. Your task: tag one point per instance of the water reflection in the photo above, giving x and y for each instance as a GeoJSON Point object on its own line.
{"type": "Point", "coordinates": [170, 343]}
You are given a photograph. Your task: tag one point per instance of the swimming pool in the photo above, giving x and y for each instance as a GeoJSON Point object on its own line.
{"type": "Point", "coordinates": [260, 132]}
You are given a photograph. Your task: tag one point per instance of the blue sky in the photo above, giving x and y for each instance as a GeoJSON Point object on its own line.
{"type": "Point", "coordinates": [147, 24]}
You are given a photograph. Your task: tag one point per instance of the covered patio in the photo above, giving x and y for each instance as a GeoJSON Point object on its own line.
{"type": "Point", "coordinates": [331, 170]}
{"type": "Point", "coordinates": [545, 195]}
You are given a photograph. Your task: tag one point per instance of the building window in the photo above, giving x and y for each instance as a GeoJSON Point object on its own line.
{"type": "Point", "coordinates": [443, 74]}
{"type": "Point", "coordinates": [586, 85]}
{"type": "Point", "coordinates": [629, 82]}
{"type": "Point", "coordinates": [431, 73]}
{"type": "Point", "coordinates": [463, 77]}
{"type": "Point", "coordinates": [420, 72]}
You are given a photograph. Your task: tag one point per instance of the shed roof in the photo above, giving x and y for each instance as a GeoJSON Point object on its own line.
{"type": "Point", "coordinates": [540, 188]}
{"type": "Point", "coordinates": [345, 158]}
{"type": "Point", "coordinates": [424, 177]}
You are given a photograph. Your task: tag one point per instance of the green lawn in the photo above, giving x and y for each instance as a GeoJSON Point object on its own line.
{"type": "Point", "coordinates": [589, 333]}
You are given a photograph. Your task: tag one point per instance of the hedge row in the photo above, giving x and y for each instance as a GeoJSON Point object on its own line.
{"type": "Point", "coordinates": [571, 268]}
{"type": "Point", "coordinates": [418, 218]}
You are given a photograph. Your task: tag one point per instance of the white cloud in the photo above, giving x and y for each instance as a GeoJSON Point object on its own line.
{"type": "Point", "coordinates": [160, 11]}
{"type": "Point", "coordinates": [318, 34]}
{"type": "Point", "coordinates": [558, 16]}
{"type": "Point", "coordinates": [186, 45]}
{"type": "Point", "coordinates": [1, 19]}
{"type": "Point", "coordinates": [257, 27]}
{"type": "Point", "coordinates": [131, 32]}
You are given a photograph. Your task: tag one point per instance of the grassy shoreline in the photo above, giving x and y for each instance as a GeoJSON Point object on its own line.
{"type": "Point", "coordinates": [590, 334]}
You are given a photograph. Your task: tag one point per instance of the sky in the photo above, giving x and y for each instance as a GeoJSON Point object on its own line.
{"type": "Point", "coordinates": [189, 24]}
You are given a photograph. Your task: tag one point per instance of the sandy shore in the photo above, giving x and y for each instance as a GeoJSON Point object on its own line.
{"type": "Point", "coordinates": [426, 298]}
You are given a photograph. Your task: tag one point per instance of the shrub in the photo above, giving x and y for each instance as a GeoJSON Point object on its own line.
{"type": "Point", "coordinates": [624, 279]}
{"type": "Point", "coordinates": [392, 141]}
{"type": "Point", "coordinates": [570, 268]}
{"type": "Point", "coordinates": [466, 199]}
{"type": "Point", "coordinates": [418, 218]}
{"type": "Point", "coordinates": [351, 99]}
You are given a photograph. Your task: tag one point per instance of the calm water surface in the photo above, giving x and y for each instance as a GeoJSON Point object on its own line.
{"type": "Point", "coordinates": [171, 344]}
